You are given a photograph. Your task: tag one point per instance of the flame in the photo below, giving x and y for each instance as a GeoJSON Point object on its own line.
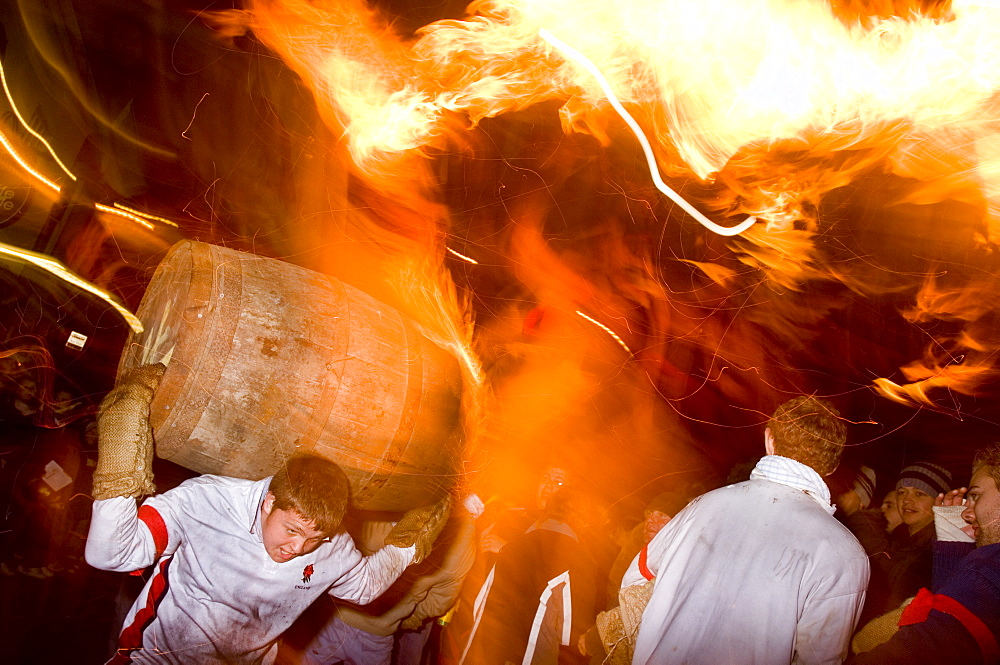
{"type": "Point", "coordinates": [708, 89]}
{"type": "Point", "coordinates": [361, 76]}
{"type": "Point", "coordinates": [647, 150]}
{"type": "Point", "coordinates": [962, 360]}
{"type": "Point", "coordinates": [770, 105]}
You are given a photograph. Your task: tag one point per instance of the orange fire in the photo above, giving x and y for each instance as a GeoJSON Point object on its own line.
{"type": "Point", "coordinates": [770, 104]}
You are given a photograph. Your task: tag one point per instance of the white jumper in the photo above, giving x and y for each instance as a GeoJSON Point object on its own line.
{"type": "Point", "coordinates": [757, 573]}
{"type": "Point", "coordinates": [216, 596]}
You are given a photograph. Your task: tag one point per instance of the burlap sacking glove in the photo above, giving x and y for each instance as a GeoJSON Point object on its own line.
{"type": "Point", "coordinates": [879, 630]}
{"type": "Point", "coordinates": [125, 445]}
{"type": "Point", "coordinates": [619, 627]}
{"type": "Point", "coordinates": [420, 527]}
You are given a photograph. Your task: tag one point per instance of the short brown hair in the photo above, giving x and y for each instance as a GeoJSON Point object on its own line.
{"type": "Point", "coordinates": [988, 457]}
{"type": "Point", "coordinates": [809, 430]}
{"type": "Point", "coordinates": [315, 488]}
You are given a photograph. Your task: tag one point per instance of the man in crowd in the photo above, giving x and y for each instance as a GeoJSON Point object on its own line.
{"type": "Point", "coordinates": [960, 623]}
{"type": "Point", "coordinates": [758, 572]}
{"type": "Point", "coordinates": [237, 560]}
{"type": "Point", "coordinates": [604, 641]}
{"type": "Point", "coordinates": [500, 524]}
{"type": "Point", "coordinates": [543, 594]}
{"type": "Point", "coordinates": [901, 558]}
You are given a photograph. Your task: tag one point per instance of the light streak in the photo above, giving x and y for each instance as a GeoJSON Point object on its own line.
{"type": "Point", "coordinates": [654, 169]}
{"type": "Point", "coordinates": [24, 123]}
{"type": "Point", "coordinates": [126, 215]}
{"type": "Point", "coordinates": [607, 330]}
{"type": "Point", "coordinates": [193, 116]}
{"type": "Point", "coordinates": [17, 158]}
{"type": "Point", "coordinates": [145, 215]}
{"type": "Point", "coordinates": [463, 257]}
{"type": "Point", "coordinates": [57, 269]}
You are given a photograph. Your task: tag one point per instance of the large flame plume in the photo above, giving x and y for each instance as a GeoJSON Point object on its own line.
{"type": "Point", "coordinates": [771, 104]}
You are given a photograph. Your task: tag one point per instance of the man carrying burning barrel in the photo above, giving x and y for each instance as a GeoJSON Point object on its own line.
{"type": "Point", "coordinates": [236, 560]}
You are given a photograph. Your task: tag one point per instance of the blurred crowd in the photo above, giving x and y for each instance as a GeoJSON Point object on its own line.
{"type": "Point", "coordinates": [791, 561]}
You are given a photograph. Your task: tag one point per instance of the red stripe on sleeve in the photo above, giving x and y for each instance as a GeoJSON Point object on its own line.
{"type": "Point", "coordinates": [152, 519]}
{"type": "Point", "coordinates": [976, 626]}
{"type": "Point", "coordinates": [921, 606]}
{"type": "Point", "coordinates": [918, 609]}
{"type": "Point", "coordinates": [643, 568]}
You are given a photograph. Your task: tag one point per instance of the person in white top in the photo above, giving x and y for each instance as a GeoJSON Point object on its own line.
{"type": "Point", "coordinates": [236, 560]}
{"type": "Point", "coordinates": [758, 572]}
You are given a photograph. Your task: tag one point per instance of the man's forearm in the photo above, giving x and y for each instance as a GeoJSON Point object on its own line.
{"type": "Point", "coordinates": [373, 575]}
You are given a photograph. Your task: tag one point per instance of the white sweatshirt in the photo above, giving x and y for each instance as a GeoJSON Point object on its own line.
{"type": "Point", "coordinates": [757, 573]}
{"type": "Point", "coordinates": [216, 596]}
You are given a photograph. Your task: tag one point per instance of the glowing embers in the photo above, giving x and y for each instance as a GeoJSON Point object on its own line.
{"type": "Point", "coordinates": [140, 218]}
{"type": "Point", "coordinates": [465, 258]}
{"type": "Point", "coordinates": [145, 215]}
{"type": "Point", "coordinates": [126, 215]}
{"type": "Point", "coordinates": [608, 330]}
{"type": "Point", "coordinates": [57, 269]}
{"type": "Point", "coordinates": [118, 209]}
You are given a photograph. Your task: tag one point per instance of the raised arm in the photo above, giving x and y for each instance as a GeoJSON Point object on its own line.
{"type": "Point", "coordinates": [119, 539]}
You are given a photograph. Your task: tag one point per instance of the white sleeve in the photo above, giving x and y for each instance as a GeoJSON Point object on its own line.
{"type": "Point", "coordinates": [646, 564]}
{"type": "Point", "coordinates": [118, 540]}
{"type": "Point", "coordinates": [949, 525]}
{"type": "Point", "coordinates": [823, 632]}
{"type": "Point", "coordinates": [373, 574]}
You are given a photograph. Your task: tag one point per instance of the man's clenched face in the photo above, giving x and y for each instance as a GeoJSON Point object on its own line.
{"type": "Point", "coordinates": [982, 509]}
{"type": "Point", "coordinates": [286, 533]}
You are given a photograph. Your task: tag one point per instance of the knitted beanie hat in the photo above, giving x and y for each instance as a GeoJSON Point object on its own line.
{"type": "Point", "coordinates": [668, 503]}
{"type": "Point", "coordinates": [931, 479]}
{"type": "Point", "coordinates": [864, 485]}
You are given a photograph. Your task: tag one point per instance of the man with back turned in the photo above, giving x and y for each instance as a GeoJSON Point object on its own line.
{"type": "Point", "coordinates": [758, 572]}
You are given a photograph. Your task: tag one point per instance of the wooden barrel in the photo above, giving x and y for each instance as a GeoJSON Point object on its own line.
{"type": "Point", "coordinates": [265, 359]}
